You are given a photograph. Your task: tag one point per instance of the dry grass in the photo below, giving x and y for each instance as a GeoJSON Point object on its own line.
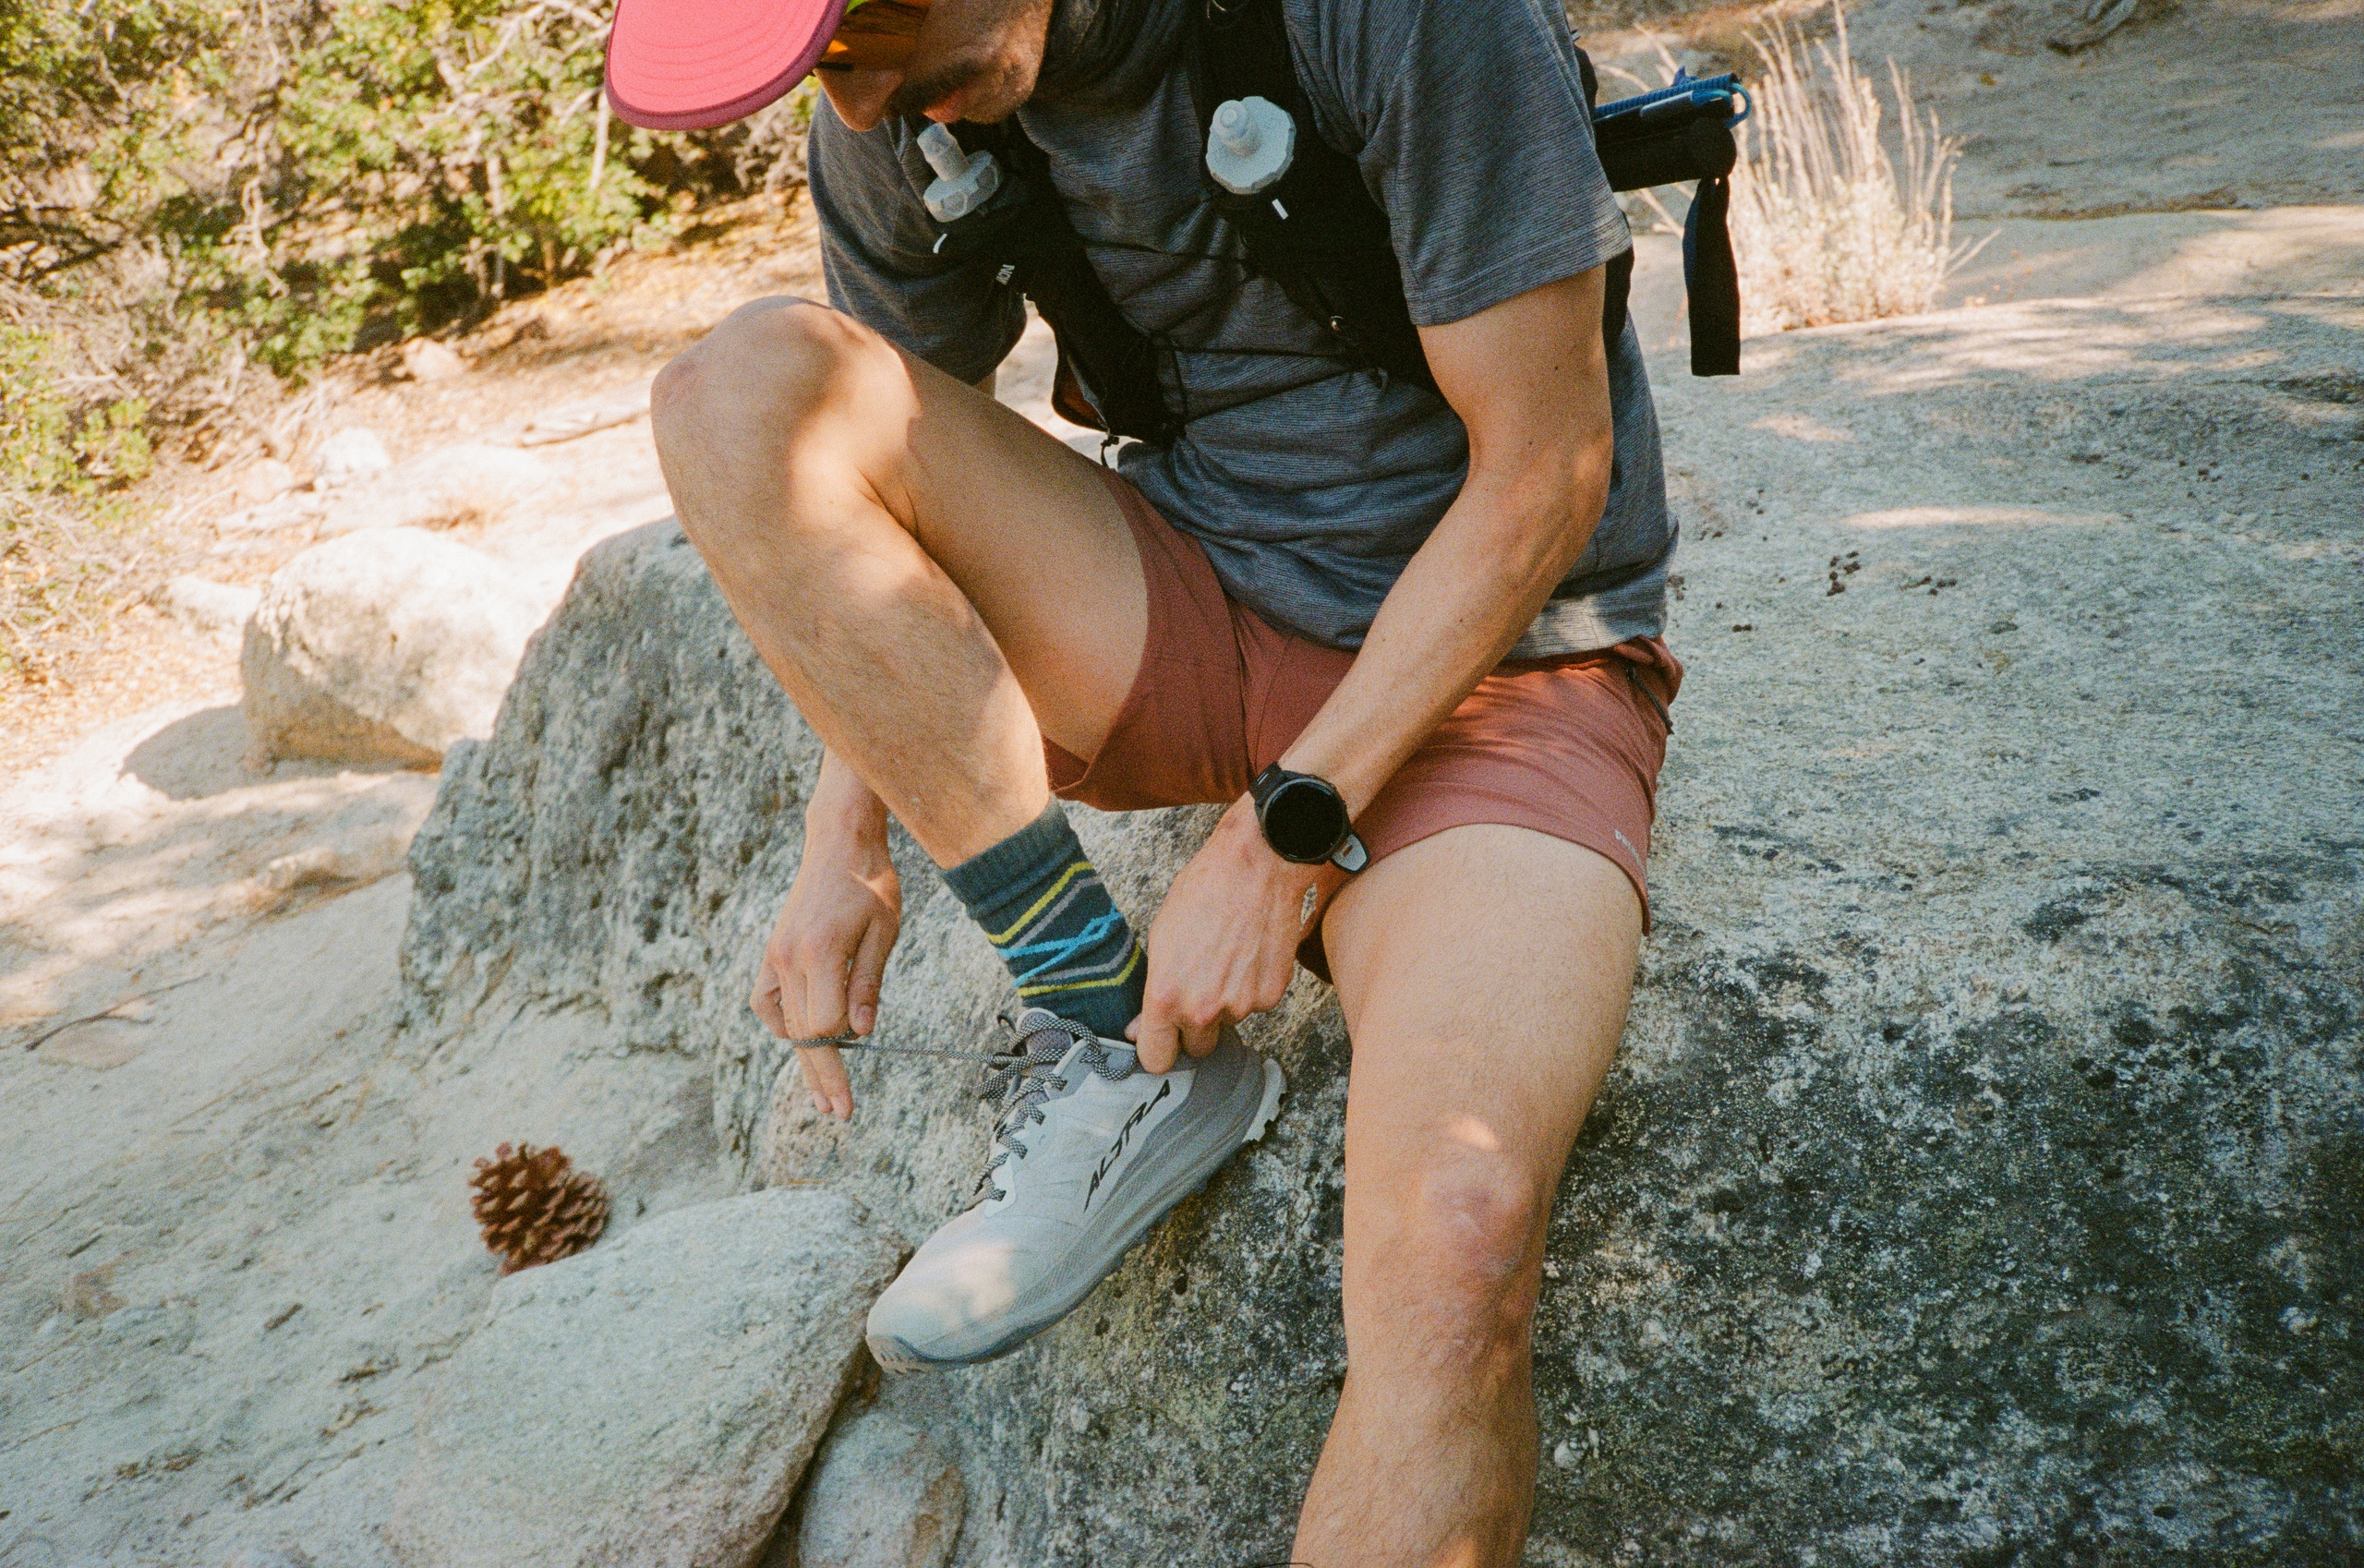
{"type": "Point", "coordinates": [64, 569]}
{"type": "Point", "coordinates": [1828, 225]}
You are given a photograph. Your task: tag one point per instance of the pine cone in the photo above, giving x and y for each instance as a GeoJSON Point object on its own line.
{"type": "Point", "coordinates": [534, 1207]}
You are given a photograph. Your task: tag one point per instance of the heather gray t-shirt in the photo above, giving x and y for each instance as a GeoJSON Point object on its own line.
{"type": "Point", "coordinates": [1310, 483]}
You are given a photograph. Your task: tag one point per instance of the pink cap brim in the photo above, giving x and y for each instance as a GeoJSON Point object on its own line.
{"type": "Point", "coordinates": [692, 65]}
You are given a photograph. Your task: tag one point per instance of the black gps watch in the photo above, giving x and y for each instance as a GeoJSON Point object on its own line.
{"type": "Point", "coordinates": [1305, 820]}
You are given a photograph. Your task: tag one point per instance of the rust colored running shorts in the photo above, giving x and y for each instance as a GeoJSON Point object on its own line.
{"type": "Point", "coordinates": [1567, 746]}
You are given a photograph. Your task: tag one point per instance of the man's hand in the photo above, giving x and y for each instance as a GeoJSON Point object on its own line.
{"type": "Point", "coordinates": [1221, 947]}
{"type": "Point", "coordinates": [823, 964]}
{"type": "Point", "coordinates": [1529, 379]}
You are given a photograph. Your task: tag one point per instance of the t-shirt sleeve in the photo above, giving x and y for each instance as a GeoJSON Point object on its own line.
{"type": "Point", "coordinates": [1470, 123]}
{"type": "Point", "coordinates": [876, 240]}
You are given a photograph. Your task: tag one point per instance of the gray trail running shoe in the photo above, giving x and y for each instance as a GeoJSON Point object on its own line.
{"type": "Point", "coordinates": [1092, 1152]}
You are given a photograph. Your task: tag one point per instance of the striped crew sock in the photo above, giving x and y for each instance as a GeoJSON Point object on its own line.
{"type": "Point", "coordinates": [1047, 913]}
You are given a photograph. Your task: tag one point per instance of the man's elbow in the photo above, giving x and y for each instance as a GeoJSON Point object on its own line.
{"type": "Point", "coordinates": [1548, 509]}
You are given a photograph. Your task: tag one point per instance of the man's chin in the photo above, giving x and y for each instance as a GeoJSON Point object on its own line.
{"type": "Point", "coordinates": [984, 94]}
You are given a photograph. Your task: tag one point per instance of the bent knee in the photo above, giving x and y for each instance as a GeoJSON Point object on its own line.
{"type": "Point", "coordinates": [1458, 1245]}
{"type": "Point", "coordinates": [761, 375]}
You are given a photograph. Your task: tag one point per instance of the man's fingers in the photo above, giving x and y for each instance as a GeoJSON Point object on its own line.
{"type": "Point", "coordinates": [823, 974]}
{"type": "Point", "coordinates": [1200, 1039]}
{"type": "Point", "coordinates": [869, 973]}
{"type": "Point", "coordinates": [824, 1075]}
{"type": "Point", "coordinates": [765, 1001]}
{"type": "Point", "coordinates": [1155, 1043]}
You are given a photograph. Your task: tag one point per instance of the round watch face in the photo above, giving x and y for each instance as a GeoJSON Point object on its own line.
{"type": "Point", "coordinates": [1304, 819]}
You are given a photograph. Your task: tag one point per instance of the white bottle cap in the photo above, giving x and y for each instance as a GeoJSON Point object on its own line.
{"type": "Point", "coordinates": [1250, 145]}
{"type": "Point", "coordinates": [964, 181]}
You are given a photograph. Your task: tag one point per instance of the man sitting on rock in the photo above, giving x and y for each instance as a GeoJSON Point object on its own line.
{"type": "Point", "coordinates": [1410, 636]}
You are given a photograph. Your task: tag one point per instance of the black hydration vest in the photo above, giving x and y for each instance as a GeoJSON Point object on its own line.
{"type": "Point", "coordinates": [1317, 233]}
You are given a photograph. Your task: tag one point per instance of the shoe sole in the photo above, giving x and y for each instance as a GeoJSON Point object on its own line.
{"type": "Point", "coordinates": [894, 1355]}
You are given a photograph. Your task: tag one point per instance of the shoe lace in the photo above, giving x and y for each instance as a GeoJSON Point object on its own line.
{"type": "Point", "coordinates": [1022, 1079]}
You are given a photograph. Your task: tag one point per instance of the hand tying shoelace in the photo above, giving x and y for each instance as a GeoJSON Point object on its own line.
{"type": "Point", "coordinates": [1019, 1088]}
{"type": "Point", "coordinates": [1022, 1079]}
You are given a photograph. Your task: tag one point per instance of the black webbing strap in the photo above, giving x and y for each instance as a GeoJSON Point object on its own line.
{"type": "Point", "coordinates": [1319, 235]}
{"type": "Point", "coordinates": [1616, 288]}
{"type": "Point", "coordinates": [1317, 232]}
{"type": "Point", "coordinates": [1675, 141]}
{"type": "Point", "coordinates": [1106, 378]}
{"type": "Point", "coordinates": [1711, 281]}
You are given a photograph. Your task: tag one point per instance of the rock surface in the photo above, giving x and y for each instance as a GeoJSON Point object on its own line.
{"type": "Point", "coordinates": [651, 1402]}
{"type": "Point", "coordinates": [1979, 1182]}
{"type": "Point", "coordinates": [441, 489]}
{"type": "Point", "coordinates": [351, 454]}
{"type": "Point", "coordinates": [208, 608]}
{"type": "Point", "coordinates": [880, 1495]}
{"type": "Point", "coordinates": [385, 645]}
{"type": "Point", "coordinates": [271, 1194]}
{"type": "Point", "coordinates": [263, 480]}
{"type": "Point", "coordinates": [574, 420]}
{"type": "Point", "coordinates": [428, 360]}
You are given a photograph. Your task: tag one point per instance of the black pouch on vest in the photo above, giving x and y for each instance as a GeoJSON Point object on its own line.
{"type": "Point", "coordinates": [1683, 132]}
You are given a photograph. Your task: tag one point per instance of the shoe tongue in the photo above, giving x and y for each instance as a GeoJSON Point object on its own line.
{"type": "Point", "coordinates": [1118, 1054]}
{"type": "Point", "coordinates": [1035, 1019]}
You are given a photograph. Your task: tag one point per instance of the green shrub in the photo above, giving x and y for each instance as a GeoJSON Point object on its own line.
{"type": "Point", "coordinates": [190, 190]}
{"type": "Point", "coordinates": [292, 180]}
{"type": "Point", "coordinates": [65, 539]}
{"type": "Point", "coordinates": [93, 110]}
{"type": "Point", "coordinates": [36, 450]}
{"type": "Point", "coordinates": [48, 446]}
{"type": "Point", "coordinates": [429, 155]}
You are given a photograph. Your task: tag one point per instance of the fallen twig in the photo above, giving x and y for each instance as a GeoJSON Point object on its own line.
{"type": "Point", "coordinates": [54, 1030]}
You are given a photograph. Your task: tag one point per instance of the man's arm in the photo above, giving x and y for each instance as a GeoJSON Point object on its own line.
{"type": "Point", "coordinates": [822, 966]}
{"type": "Point", "coordinates": [1529, 379]}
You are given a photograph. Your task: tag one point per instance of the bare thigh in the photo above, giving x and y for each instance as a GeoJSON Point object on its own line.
{"type": "Point", "coordinates": [1485, 973]}
{"type": "Point", "coordinates": [1025, 526]}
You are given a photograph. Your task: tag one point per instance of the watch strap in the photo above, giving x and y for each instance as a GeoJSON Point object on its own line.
{"type": "Point", "coordinates": [1350, 856]}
